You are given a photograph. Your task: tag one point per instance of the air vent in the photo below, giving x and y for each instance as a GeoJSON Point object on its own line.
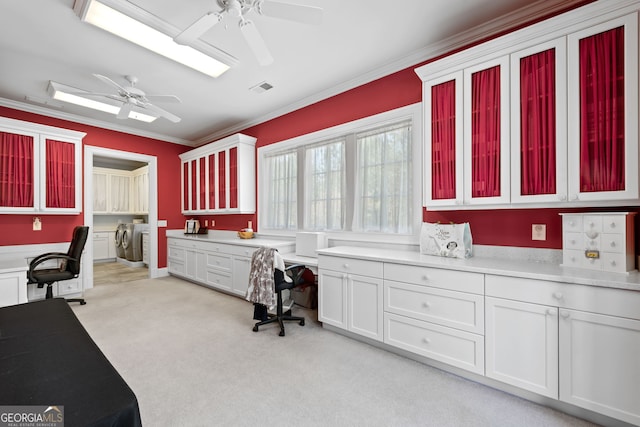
{"type": "Point", "coordinates": [261, 87]}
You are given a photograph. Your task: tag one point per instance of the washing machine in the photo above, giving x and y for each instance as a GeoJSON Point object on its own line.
{"type": "Point", "coordinates": [118, 240]}
{"type": "Point", "coordinates": [132, 241]}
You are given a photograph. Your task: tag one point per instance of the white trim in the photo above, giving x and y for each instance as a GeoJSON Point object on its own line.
{"type": "Point", "coordinates": [89, 153]}
{"type": "Point", "coordinates": [413, 112]}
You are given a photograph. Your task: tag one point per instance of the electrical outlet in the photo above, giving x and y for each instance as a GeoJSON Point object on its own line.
{"type": "Point", "coordinates": [250, 224]}
{"type": "Point", "coordinates": [213, 223]}
{"type": "Point", "coordinates": [538, 232]}
{"type": "Point", "coordinates": [37, 225]}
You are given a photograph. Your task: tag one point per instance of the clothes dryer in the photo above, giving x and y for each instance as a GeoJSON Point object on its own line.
{"type": "Point", "coordinates": [132, 241]}
{"type": "Point", "coordinates": [118, 240]}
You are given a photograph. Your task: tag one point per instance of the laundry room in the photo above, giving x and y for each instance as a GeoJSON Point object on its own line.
{"type": "Point", "coordinates": [120, 217]}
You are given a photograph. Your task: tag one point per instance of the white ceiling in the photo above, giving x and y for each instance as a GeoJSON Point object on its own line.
{"type": "Point", "coordinates": [359, 41]}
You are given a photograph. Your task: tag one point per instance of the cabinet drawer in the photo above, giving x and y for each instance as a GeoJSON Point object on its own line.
{"type": "Point", "coordinates": [592, 223]}
{"type": "Point", "coordinates": [175, 252]}
{"type": "Point", "coordinates": [572, 223]}
{"type": "Point", "coordinates": [351, 266]}
{"type": "Point", "coordinates": [457, 348]}
{"type": "Point", "coordinates": [573, 241]}
{"type": "Point", "coordinates": [448, 308]}
{"type": "Point", "coordinates": [614, 224]}
{"type": "Point", "coordinates": [218, 279]}
{"type": "Point", "coordinates": [67, 287]}
{"type": "Point", "coordinates": [240, 250]}
{"type": "Point", "coordinates": [175, 267]}
{"type": "Point", "coordinates": [594, 299]}
{"type": "Point", "coordinates": [613, 243]}
{"type": "Point", "coordinates": [462, 281]}
{"type": "Point", "coordinates": [218, 261]}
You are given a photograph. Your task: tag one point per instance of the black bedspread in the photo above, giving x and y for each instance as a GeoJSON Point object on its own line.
{"type": "Point", "coordinates": [48, 358]}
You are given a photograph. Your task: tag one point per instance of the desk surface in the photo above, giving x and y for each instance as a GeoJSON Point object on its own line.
{"type": "Point", "coordinates": [48, 358]}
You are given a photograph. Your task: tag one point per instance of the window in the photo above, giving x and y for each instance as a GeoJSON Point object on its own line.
{"type": "Point", "coordinates": [354, 178]}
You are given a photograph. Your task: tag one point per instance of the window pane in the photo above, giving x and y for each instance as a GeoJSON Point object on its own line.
{"type": "Point", "coordinates": [325, 186]}
{"type": "Point", "coordinates": [383, 187]}
{"type": "Point", "coordinates": [282, 211]}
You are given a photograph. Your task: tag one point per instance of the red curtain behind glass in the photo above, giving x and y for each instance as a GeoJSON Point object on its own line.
{"type": "Point", "coordinates": [602, 112]}
{"type": "Point", "coordinates": [222, 183]}
{"type": "Point", "coordinates": [16, 170]}
{"type": "Point", "coordinates": [443, 140]}
{"type": "Point", "coordinates": [233, 177]}
{"type": "Point", "coordinates": [60, 174]}
{"type": "Point", "coordinates": [485, 133]}
{"type": "Point", "coordinates": [538, 123]}
{"type": "Point", "coordinates": [212, 181]}
{"type": "Point", "coordinates": [203, 193]}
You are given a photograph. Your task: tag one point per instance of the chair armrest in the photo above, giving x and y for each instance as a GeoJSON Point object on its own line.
{"type": "Point", "coordinates": [42, 258]}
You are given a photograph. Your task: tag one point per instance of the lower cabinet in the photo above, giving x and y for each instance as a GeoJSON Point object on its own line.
{"type": "Point", "coordinates": [572, 342]}
{"type": "Point", "coordinates": [104, 247]}
{"type": "Point", "coordinates": [350, 295]}
{"type": "Point", "coordinates": [13, 287]}
{"type": "Point", "coordinates": [220, 266]}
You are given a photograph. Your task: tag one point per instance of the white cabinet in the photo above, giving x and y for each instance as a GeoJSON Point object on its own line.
{"type": "Point", "coordinates": [13, 285]}
{"type": "Point", "coordinates": [220, 177]}
{"type": "Point", "coordinates": [145, 248]}
{"type": "Point", "coordinates": [581, 340]}
{"type": "Point", "coordinates": [120, 191]}
{"type": "Point", "coordinates": [599, 367]}
{"type": "Point", "coordinates": [603, 111]}
{"type": "Point", "coordinates": [575, 80]}
{"type": "Point", "coordinates": [522, 345]}
{"type": "Point", "coordinates": [435, 313]}
{"type": "Point", "coordinates": [40, 168]}
{"type": "Point", "coordinates": [104, 245]}
{"type": "Point", "coordinates": [350, 295]}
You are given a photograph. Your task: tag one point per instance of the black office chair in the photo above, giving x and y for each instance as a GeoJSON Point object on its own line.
{"type": "Point", "coordinates": [264, 264]}
{"type": "Point", "coordinates": [69, 265]}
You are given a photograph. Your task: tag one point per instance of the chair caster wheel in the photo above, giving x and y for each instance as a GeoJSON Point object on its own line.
{"type": "Point", "coordinates": [83, 302]}
{"type": "Point", "coordinates": [302, 323]}
{"type": "Point", "coordinates": [255, 329]}
{"type": "Point", "coordinates": [281, 333]}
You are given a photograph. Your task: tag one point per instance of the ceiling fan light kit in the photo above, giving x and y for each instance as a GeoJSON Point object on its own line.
{"type": "Point", "coordinates": [75, 96]}
{"type": "Point", "coordinates": [138, 26]}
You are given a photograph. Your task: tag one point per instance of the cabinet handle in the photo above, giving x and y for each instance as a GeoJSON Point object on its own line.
{"type": "Point", "coordinates": [613, 225]}
{"type": "Point", "coordinates": [425, 277]}
{"type": "Point", "coordinates": [557, 295]}
{"type": "Point", "coordinates": [426, 304]}
{"type": "Point", "coordinates": [562, 197]}
{"type": "Point", "coordinates": [345, 265]}
{"type": "Point", "coordinates": [573, 242]}
{"type": "Point", "coordinates": [613, 263]}
{"type": "Point", "coordinates": [574, 197]}
{"type": "Point", "coordinates": [564, 314]}
{"type": "Point", "coordinates": [613, 244]}
{"type": "Point", "coordinates": [572, 223]}
{"type": "Point", "coordinates": [549, 312]}
{"type": "Point", "coordinates": [426, 340]}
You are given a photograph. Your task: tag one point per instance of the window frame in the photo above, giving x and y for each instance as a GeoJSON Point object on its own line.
{"type": "Point", "coordinates": [412, 112]}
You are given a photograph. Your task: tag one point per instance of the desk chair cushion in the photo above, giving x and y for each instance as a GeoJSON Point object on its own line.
{"type": "Point", "coordinates": [45, 275]}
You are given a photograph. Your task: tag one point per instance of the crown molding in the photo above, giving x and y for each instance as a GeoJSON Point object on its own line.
{"type": "Point", "coordinates": [91, 122]}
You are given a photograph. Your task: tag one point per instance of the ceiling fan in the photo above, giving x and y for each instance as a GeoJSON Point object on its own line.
{"type": "Point", "coordinates": [131, 96]}
{"type": "Point", "coordinates": [239, 9]}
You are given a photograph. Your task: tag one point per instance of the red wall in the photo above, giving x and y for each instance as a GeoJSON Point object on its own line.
{"type": "Point", "coordinates": [17, 229]}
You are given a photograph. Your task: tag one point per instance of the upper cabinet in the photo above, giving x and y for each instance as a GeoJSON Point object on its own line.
{"type": "Point", "coordinates": [120, 191]}
{"type": "Point", "coordinates": [546, 115]}
{"type": "Point", "coordinates": [40, 168]}
{"type": "Point", "coordinates": [220, 177]}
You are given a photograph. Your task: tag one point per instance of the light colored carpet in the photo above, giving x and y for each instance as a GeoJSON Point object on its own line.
{"type": "Point", "coordinates": [190, 356]}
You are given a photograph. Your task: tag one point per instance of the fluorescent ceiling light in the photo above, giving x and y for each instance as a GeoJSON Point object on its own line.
{"type": "Point", "coordinates": [73, 95]}
{"type": "Point", "coordinates": [139, 32]}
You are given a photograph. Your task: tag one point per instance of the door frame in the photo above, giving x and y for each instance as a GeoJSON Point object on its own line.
{"type": "Point", "coordinates": [152, 161]}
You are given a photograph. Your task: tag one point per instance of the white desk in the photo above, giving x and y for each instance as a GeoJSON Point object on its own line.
{"type": "Point", "coordinates": [13, 281]}
{"type": "Point", "coordinates": [309, 262]}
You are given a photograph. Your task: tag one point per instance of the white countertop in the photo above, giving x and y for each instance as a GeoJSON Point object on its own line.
{"type": "Point", "coordinates": [231, 238]}
{"type": "Point", "coordinates": [497, 266]}
{"type": "Point", "coordinates": [12, 264]}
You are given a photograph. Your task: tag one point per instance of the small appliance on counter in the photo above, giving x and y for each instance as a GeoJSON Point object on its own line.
{"type": "Point", "coordinates": [192, 226]}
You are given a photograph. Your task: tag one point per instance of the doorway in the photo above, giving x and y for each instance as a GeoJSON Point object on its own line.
{"type": "Point", "coordinates": [98, 154]}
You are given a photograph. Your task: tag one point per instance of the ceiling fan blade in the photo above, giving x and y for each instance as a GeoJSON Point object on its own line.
{"type": "Point", "coordinates": [110, 82]}
{"type": "Point", "coordinates": [164, 98]}
{"type": "Point", "coordinates": [163, 113]}
{"type": "Point", "coordinates": [256, 42]}
{"type": "Point", "coordinates": [198, 28]}
{"type": "Point", "coordinates": [293, 12]}
{"type": "Point", "coordinates": [124, 111]}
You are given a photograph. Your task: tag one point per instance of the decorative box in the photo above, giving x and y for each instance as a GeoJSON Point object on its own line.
{"type": "Point", "coordinates": [599, 241]}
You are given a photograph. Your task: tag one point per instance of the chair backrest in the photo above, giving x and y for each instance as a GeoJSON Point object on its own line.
{"type": "Point", "coordinates": [80, 234]}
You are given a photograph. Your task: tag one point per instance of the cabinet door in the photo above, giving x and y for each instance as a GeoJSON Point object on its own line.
{"type": "Point", "coordinates": [18, 174]}
{"type": "Point", "coordinates": [365, 306]}
{"type": "Point", "coordinates": [522, 345]}
{"type": "Point", "coordinates": [332, 297]}
{"type": "Point", "coordinates": [599, 367]}
{"type": "Point", "coordinates": [241, 267]}
{"type": "Point", "coordinates": [100, 192]}
{"type": "Point", "coordinates": [486, 132]}
{"type": "Point", "coordinates": [61, 188]}
{"type": "Point", "coordinates": [443, 135]}
{"type": "Point", "coordinates": [101, 244]}
{"type": "Point", "coordinates": [603, 111]}
{"type": "Point", "coordinates": [120, 193]}
{"type": "Point", "coordinates": [539, 123]}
